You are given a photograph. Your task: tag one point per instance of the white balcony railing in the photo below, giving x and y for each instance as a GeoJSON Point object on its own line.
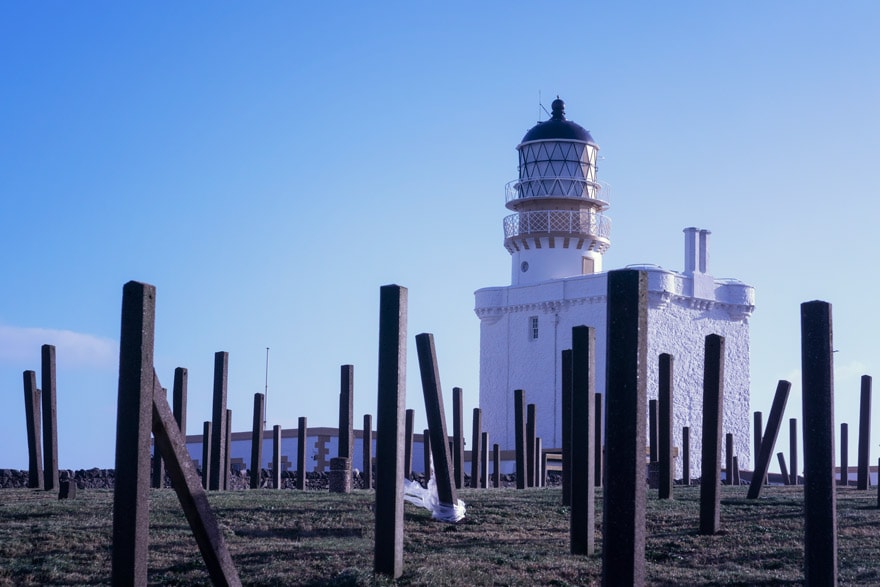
{"type": "Point", "coordinates": [558, 187]}
{"type": "Point", "coordinates": [573, 222]}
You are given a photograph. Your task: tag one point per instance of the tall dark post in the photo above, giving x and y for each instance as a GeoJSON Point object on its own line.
{"type": "Point", "coordinates": [256, 467]}
{"type": "Point", "coordinates": [783, 469]}
{"type": "Point", "coordinates": [408, 443]}
{"type": "Point", "coordinates": [735, 471]}
{"type": "Point", "coordinates": [820, 501]}
{"type": "Point", "coordinates": [207, 434]}
{"type": "Point", "coordinates": [728, 459]}
{"type": "Point", "coordinates": [652, 431]}
{"type": "Point", "coordinates": [457, 437]}
{"type": "Point", "coordinates": [768, 443]}
{"type": "Point", "coordinates": [864, 479]}
{"type": "Point", "coordinates": [519, 427]}
{"type": "Point", "coordinates": [539, 469]}
{"type": "Point", "coordinates": [346, 412]}
{"type": "Point", "coordinates": [436, 415]}
{"type": "Point", "coordinates": [686, 456]}
{"type": "Point", "coordinates": [388, 550]}
{"type": "Point", "coordinates": [476, 448]}
{"type": "Point", "coordinates": [367, 469]}
{"type": "Point", "coordinates": [50, 419]}
{"type": "Point", "coordinates": [583, 514]}
{"type": "Point", "coordinates": [302, 438]}
{"type": "Point", "coordinates": [134, 423]}
{"type": "Point", "coordinates": [566, 426]}
{"type": "Point", "coordinates": [496, 466]}
{"type": "Point", "coordinates": [531, 433]}
{"type": "Point", "coordinates": [32, 414]}
{"type": "Point", "coordinates": [218, 438]}
{"type": "Point", "coordinates": [484, 460]}
{"type": "Point", "coordinates": [227, 465]}
{"type": "Point", "coordinates": [664, 441]}
{"type": "Point", "coordinates": [598, 437]}
{"type": "Point", "coordinates": [793, 450]}
{"type": "Point", "coordinates": [178, 392]}
{"type": "Point", "coordinates": [623, 551]}
{"type": "Point", "coordinates": [157, 475]}
{"type": "Point", "coordinates": [844, 454]}
{"type": "Point", "coordinates": [426, 449]}
{"type": "Point", "coordinates": [276, 457]}
{"type": "Point", "coordinates": [757, 434]}
{"type": "Point", "coordinates": [713, 403]}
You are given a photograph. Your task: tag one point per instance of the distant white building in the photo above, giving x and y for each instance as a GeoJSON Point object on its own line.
{"type": "Point", "coordinates": [556, 237]}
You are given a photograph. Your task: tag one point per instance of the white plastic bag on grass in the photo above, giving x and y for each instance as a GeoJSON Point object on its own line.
{"type": "Point", "coordinates": [414, 493]}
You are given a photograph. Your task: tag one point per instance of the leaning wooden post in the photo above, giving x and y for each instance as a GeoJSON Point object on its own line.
{"type": "Point", "coordinates": [820, 502]}
{"type": "Point", "coordinates": [436, 416]}
{"type": "Point", "coordinates": [728, 459]}
{"type": "Point", "coordinates": [793, 450]}
{"type": "Point", "coordinates": [32, 413]}
{"type": "Point", "coordinates": [783, 469]}
{"type": "Point", "coordinates": [713, 403]}
{"type": "Point", "coordinates": [864, 478]}
{"type": "Point", "coordinates": [367, 468]}
{"type": "Point", "coordinates": [388, 549]}
{"type": "Point", "coordinates": [134, 420]}
{"type": "Point", "coordinates": [207, 434]}
{"type": "Point", "coordinates": [664, 440]}
{"type": "Point", "coordinates": [531, 434]}
{"type": "Point", "coordinates": [302, 438]}
{"type": "Point", "coordinates": [566, 426]}
{"type": "Point", "coordinates": [844, 454]}
{"type": "Point", "coordinates": [519, 427]}
{"type": "Point", "coordinates": [598, 437]}
{"type": "Point", "coordinates": [583, 513]}
{"type": "Point", "coordinates": [686, 456]}
{"type": "Point", "coordinates": [256, 467]}
{"type": "Point", "coordinates": [218, 438]}
{"type": "Point", "coordinates": [768, 443]}
{"type": "Point", "coordinates": [50, 418]}
{"type": "Point", "coordinates": [276, 456]}
{"type": "Point", "coordinates": [623, 551]}
{"type": "Point", "coordinates": [476, 447]}
{"type": "Point", "coordinates": [457, 437]}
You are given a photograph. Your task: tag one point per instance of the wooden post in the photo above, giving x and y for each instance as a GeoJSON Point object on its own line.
{"type": "Point", "coordinates": [207, 434]}
{"type": "Point", "coordinates": [820, 501]}
{"type": "Point", "coordinates": [864, 478]}
{"type": "Point", "coordinates": [686, 456]}
{"type": "Point", "coordinates": [408, 443]}
{"type": "Point", "coordinates": [484, 460]}
{"type": "Point", "coordinates": [388, 548]}
{"type": "Point", "coordinates": [583, 515]}
{"type": "Point", "coordinates": [367, 469]}
{"type": "Point", "coordinates": [218, 438]}
{"type": "Point", "coordinates": [566, 426]}
{"type": "Point", "coordinates": [664, 441]}
{"type": "Point", "coordinates": [844, 454]}
{"type": "Point", "coordinates": [426, 449]}
{"type": "Point", "coordinates": [302, 439]}
{"type": "Point", "coordinates": [519, 426]}
{"type": "Point", "coordinates": [598, 437]}
{"type": "Point", "coordinates": [50, 418]}
{"type": "Point", "coordinates": [539, 479]}
{"type": "Point", "coordinates": [457, 438]}
{"type": "Point", "coordinates": [757, 434]}
{"type": "Point", "coordinates": [728, 459]}
{"type": "Point", "coordinates": [476, 447]}
{"type": "Point", "coordinates": [652, 431]}
{"type": "Point", "coordinates": [346, 412]}
{"type": "Point", "coordinates": [157, 475]}
{"type": "Point", "coordinates": [783, 469]}
{"type": "Point", "coordinates": [713, 403]}
{"type": "Point", "coordinates": [496, 464]}
{"type": "Point", "coordinates": [256, 468]}
{"type": "Point", "coordinates": [531, 433]}
{"type": "Point", "coordinates": [227, 466]}
{"type": "Point", "coordinates": [623, 551]}
{"type": "Point", "coordinates": [32, 414]}
{"type": "Point", "coordinates": [179, 393]}
{"type": "Point", "coordinates": [793, 450]}
{"type": "Point", "coordinates": [276, 456]}
{"type": "Point", "coordinates": [768, 442]}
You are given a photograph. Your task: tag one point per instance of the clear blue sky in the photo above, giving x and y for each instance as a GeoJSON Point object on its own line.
{"type": "Point", "coordinates": [269, 166]}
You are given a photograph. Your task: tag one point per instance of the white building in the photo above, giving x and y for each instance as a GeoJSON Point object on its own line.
{"type": "Point", "coordinates": [556, 237]}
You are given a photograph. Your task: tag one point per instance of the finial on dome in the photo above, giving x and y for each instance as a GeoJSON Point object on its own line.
{"type": "Point", "coordinates": [558, 107]}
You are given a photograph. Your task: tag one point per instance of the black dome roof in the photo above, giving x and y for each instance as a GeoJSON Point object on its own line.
{"type": "Point", "coordinates": [558, 128]}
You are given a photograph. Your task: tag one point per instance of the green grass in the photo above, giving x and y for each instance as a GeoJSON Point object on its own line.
{"type": "Point", "coordinates": [509, 537]}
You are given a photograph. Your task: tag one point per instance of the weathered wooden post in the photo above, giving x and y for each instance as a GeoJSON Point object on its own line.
{"type": "Point", "coordinates": [484, 460]}
{"type": "Point", "coordinates": [276, 456]}
{"type": "Point", "coordinates": [131, 501]}
{"type": "Point", "coordinates": [408, 443]}
{"type": "Point", "coordinates": [388, 549]}
{"type": "Point", "coordinates": [519, 427]}
{"type": "Point", "coordinates": [218, 438]}
{"type": "Point", "coordinates": [566, 401]}
{"type": "Point", "coordinates": [793, 450]}
{"type": "Point", "coordinates": [426, 449]}
{"type": "Point", "coordinates": [436, 416]}
{"type": "Point", "coordinates": [686, 456]}
{"type": "Point", "coordinates": [367, 469]}
{"type": "Point", "coordinates": [757, 434]}
{"type": "Point", "coordinates": [256, 467]}
{"type": "Point", "coordinates": [735, 470]}
{"type": "Point", "coordinates": [664, 440]}
{"type": "Point", "coordinates": [713, 403]}
{"type": "Point", "coordinates": [302, 439]}
{"type": "Point", "coordinates": [623, 551]}
{"type": "Point", "coordinates": [346, 412]}
{"type": "Point", "coordinates": [583, 515]}
{"type": "Point", "coordinates": [496, 464]}
{"type": "Point", "coordinates": [207, 434]}
{"type": "Point", "coordinates": [457, 437]}
{"type": "Point", "coordinates": [844, 454]}
{"type": "Point", "coordinates": [864, 478]}
{"type": "Point", "coordinates": [768, 442]}
{"type": "Point", "coordinates": [179, 392]}
{"type": "Point", "coordinates": [820, 502]}
{"type": "Point", "coordinates": [227, 466]}
{"type": "Point", "coordinates": [783, 469]}
{"type": "Point", "coordinates": [157, 475]}
{"type": "Point", "coordinates": [728, 459]}
{"type": "Point", "coordinates": [539, 479]}
{"type": "Point", "coordinates": [598, 437]}
{"type": "Point", "coordinates": [652, 431]}
{"type": "Point", "coordinates": [50, 418]}
{"type": "Point", "coordinates": [531, 433]}
{"type": "Point", "coordinates": [32, 414]}
{"type": "Point", "coordinates": [476, 447]}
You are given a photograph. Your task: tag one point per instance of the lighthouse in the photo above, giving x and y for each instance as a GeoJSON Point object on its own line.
{"type": "Point", "coordinates": [557, 234]}
{"type": "Point", "coordinates": [557, 228]}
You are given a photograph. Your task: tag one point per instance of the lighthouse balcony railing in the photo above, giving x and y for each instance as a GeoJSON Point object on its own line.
{"type": "Point", "coordinates": [559, 187]}
{"type": "Point", "coordinates": [559, 222]}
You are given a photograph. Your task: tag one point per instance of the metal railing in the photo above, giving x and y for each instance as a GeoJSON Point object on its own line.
{"type": "Point", "coordinates": [575, 222]}
{"type": "Point", "coordinates": [558, 187]}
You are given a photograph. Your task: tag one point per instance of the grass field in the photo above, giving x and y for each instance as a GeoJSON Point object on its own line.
{"type": "Point", "coordinates": [509, 537]}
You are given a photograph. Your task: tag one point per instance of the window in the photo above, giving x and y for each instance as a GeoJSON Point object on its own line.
{"type": "Point", "coordinates": [533, 327]}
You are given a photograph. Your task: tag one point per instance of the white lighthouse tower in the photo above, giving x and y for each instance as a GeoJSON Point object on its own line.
{"type": "Point", "coordinates": [557, 236]}
{"type": "Point", "coordinates": [558, 229]}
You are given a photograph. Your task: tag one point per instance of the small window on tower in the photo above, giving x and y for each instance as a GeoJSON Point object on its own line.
{"type": "Point", "coordinates": [533, 327]}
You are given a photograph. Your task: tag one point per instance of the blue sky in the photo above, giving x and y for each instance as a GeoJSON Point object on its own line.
{"type": "Point", "coordinates": [268, 167]}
